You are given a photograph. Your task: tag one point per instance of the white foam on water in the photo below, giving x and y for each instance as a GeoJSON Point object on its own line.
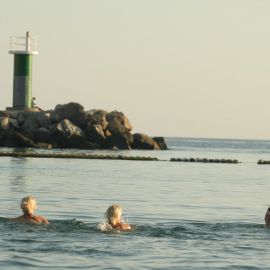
{"type": "Point", "coordinates": [105, 227]}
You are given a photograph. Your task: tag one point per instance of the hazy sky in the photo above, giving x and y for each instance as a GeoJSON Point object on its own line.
{"type": "Point", "coordinates": [196, 68]}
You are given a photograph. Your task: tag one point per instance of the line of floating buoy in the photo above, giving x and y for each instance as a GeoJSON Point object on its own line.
{"type": "Point", "coordinates": [263, 162]}
{"type": "Point", "coordinates": [75, 156]}
{"type": "Point", "coordinates": [206, 160]}
{"type": "Point", "coordinates": [121, 157]}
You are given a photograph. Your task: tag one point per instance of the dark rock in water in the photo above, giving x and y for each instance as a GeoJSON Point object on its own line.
{"type": "Point", "coordinates": [71, 111]}
{"type": "Point", "coordinates": [94, 133]}
{"type": "Point", "coordinates": [67, 134]}
{"type": "Point", "coordinates": [42, 135]}
{"type": "Point", "coordinates": [17, 139]}
{"type": "Point", "coordinates": [143, 141]}
{"type": "Point", "coordinates": [119, 140]}
{"type": "Point", "coordinates": [88, 145]}
{"type": "Point", "coordinates": [161, 143]}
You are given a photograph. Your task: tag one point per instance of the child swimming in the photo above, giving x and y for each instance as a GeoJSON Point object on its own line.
{"type": "Point", "coordinates": [28, 206]}
{"type": "Point", "coordinates": [114, 217]}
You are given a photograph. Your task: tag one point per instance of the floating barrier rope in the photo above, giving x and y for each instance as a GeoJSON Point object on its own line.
{"type": "Point", "coordinates": [205, 160]}
{"type": "Point", "coordinates": [122, 157]}
{"type": "Point", "coordinates": [263, 162]}
{"type": "Point", "coordinates": [77, 156]}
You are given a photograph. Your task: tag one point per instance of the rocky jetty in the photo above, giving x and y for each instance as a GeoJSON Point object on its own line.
{"type": "Point", "coordinates": [70, 126]}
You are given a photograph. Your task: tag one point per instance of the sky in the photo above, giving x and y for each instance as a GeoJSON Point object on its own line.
{"type": "Point", "coordinates": [182, 68]}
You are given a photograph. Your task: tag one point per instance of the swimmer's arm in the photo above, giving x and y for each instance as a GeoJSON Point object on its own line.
{"type": "Point", "coordinates": [42, 220]}
{"type": "Point", "coordinates": [45, 221]}
{"type": "Point", "coordinates": [15, 218]}
{"type": "Point", "coordinates": [125, 226]}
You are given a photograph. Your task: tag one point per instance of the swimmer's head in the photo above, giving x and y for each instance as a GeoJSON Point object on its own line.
{"type": "Point", "coordinates": [28, 205]}
{"type": "Point", "coordinates": [113, 214]}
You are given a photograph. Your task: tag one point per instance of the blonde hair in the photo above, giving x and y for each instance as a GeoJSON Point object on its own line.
{"type": "Point", "coordinates": [28, 205]}
{"type": "Point", "coordinates": [113, 213]}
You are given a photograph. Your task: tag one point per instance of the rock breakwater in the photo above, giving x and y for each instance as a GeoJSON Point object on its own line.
{"type": "Point", "coordinates": [70, 126]}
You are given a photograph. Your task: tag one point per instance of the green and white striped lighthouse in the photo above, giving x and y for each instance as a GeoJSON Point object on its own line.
{"type": "Point", "coordinates": [23, 49]}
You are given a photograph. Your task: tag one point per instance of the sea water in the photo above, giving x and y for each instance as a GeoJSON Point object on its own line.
{"type": "Point", "coordinates": [187, 215]}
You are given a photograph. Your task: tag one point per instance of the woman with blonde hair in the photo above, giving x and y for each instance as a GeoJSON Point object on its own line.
{"type": "Point", "coordinates": [114, 217]}
{"type": "Point", "coordinates": [28, 206]}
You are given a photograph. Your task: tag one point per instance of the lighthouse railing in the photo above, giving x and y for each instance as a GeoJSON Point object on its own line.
{"type": "Point", "coordinates": [23, 44]}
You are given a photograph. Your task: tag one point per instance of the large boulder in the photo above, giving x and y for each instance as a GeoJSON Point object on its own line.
{"type": "Point", "coordinates": [2, 138]}
{"type": "Point", "coordinates": [4, 114]}
{"type": "Point", "coordinates": [161, 143]}
{"type": "Point", "coordinates": [4, 123]}
{"type": "Point", "coordinates": [43, 119]}
{"type": "Point", "coordinates": [42, 135]}
{"type": "Point", "coordinates": [117, 121]}
{"type": "Point", "coordinates": [118, 130]}
{"type": "Point", "coordinates": [20, 117]}
{"type": "Point", "coordinates": [94, 134]}
{"type": "Point", "coordinates": [8, 123]}
{"type": "Point", "coordinates": [13, 124]}
{"type": "Point", "coordinates": [67, 134]}
{"type": "Point", "coordinates": [30, 123]}
{"type": "Point", "coordinates": [71, 111]}
{"type": "Point", "coordinates": [143, 141]}
{"type": "Point", "coordinates": [119, 140]}
{"type": "Point", "coordinates": [18, 139]}
{"type": "Point", "coordinates": [96, 117]}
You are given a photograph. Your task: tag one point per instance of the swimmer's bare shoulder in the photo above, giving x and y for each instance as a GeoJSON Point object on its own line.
{"type": "Point", "coordinates": [42, 220]}
{"type": "Point", "coordinates": [32, 220]}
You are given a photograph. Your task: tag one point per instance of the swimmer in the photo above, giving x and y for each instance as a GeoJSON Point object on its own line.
{"type": "Point", "coordinates": [267, 217]}
{"type": "Point", "coordinates": [114, 217]}
{"type": "Point", "coordinates": [28, 206]}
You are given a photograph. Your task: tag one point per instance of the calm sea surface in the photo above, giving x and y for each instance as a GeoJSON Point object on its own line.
{"type": "Point", "coordinates": [188, 215]}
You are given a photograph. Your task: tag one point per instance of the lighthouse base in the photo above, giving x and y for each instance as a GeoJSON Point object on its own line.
{"type": "Point", "coordinates": [23, 109]}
